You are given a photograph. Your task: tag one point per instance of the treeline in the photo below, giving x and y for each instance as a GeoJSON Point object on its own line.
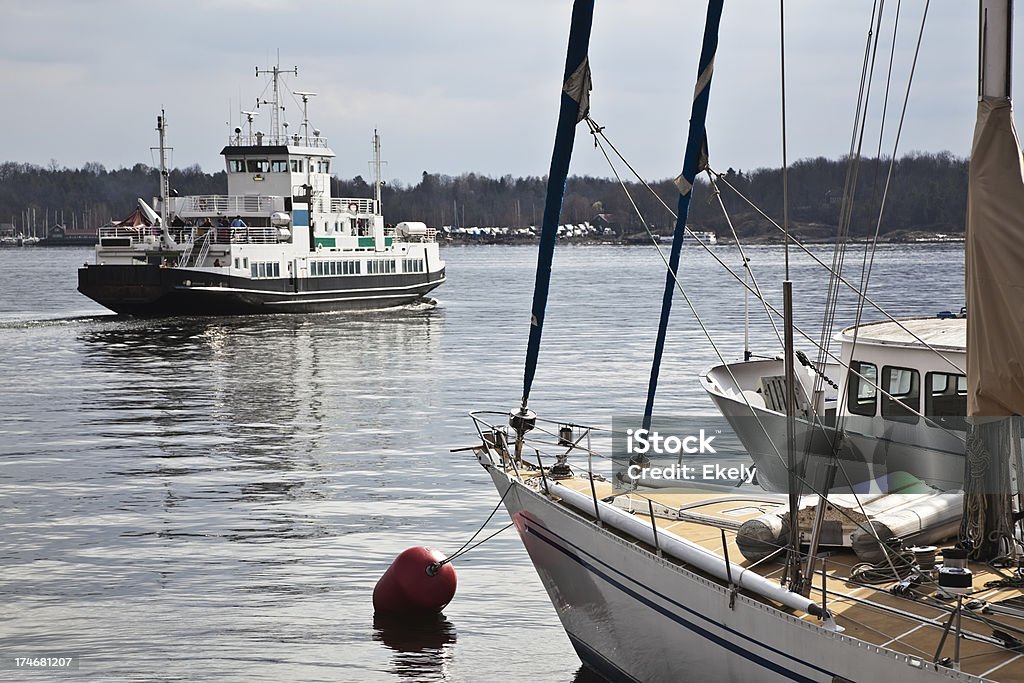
{"type": "Point", "coordinates": [927, 192]}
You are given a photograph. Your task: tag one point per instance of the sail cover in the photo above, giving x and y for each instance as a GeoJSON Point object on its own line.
{"type": "Point", "coordinates": [995, 265]}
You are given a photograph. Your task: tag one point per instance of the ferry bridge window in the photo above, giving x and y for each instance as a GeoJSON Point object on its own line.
{"type": "Point", "coordinates": [945, 402]}
{"type": "Point", "coordinates": [903, 386]}
{"type": "Point", "coordinates": [236, 165]}
{"type": "Point", "coordinates": [861, 395]}
{"type": "Point", "coordinates": [258, 165]}
{"type": "Point", "coordinates": [279, 166]}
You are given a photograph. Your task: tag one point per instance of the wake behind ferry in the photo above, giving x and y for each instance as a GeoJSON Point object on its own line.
{"type": "Point", "coordinates": [278, 242]}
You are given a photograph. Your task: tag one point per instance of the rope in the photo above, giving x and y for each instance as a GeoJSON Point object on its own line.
{"type": "Point", "coordinates": [464, 549]}
{"type": "Point", "coordinates": [897, 566]}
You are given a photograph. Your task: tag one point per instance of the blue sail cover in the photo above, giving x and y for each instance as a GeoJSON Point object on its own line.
{"type": "Point", "coordinates": [575, 103]}
{"type": "Point", "coordinates": [694, 160]}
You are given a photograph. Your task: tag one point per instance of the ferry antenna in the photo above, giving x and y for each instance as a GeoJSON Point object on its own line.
{"type": "Point", "coordinates": [276, 72]}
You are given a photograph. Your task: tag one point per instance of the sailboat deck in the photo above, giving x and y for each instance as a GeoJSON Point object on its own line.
{"type": "Point", "coordinates": [910, 625]}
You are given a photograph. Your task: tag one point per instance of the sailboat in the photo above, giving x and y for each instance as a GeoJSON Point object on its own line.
{"type": "Point", "coordinates": [660, 584]}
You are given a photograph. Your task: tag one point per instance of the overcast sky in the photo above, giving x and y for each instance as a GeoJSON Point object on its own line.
{"type": "Point", "coordinates": [459, 86]}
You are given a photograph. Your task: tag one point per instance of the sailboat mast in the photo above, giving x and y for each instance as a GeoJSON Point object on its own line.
{"type": "Point", "coordinates": [996, 48]}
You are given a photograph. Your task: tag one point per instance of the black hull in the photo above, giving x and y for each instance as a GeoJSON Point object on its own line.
{"type": "Point", "coordinates": [152, 291]}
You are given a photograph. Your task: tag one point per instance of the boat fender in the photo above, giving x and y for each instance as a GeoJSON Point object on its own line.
{"type": "Point", "coordinates": [418, 581]}
{"type": "Point", "coordinates": [760, 537]}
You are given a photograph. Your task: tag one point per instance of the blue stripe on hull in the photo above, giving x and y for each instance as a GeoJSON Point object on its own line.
{"type": "Point", "coordinates": [561, 544]}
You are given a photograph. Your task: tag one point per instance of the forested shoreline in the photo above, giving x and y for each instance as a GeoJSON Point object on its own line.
{"type": "Point", "coordinates": [927, 194]}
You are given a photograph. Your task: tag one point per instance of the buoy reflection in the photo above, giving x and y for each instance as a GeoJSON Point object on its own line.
{"type": "Point", "coordinates": [422, 645]}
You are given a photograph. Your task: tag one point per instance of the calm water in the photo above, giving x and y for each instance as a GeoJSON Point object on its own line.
{"type": "Point", "coordinates": [214, 499]}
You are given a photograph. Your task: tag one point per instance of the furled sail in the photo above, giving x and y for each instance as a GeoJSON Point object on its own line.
{"type": "Point", "coordinates": [995, 265]}
{"type": "Point", "coordinates": [694, 161]}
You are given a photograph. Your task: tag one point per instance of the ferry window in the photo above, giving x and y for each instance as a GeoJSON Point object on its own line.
{"type": "Point", "coordinates": [296, 165]}
{"type": "Point", "coordinates": [276, 268]}
{"type": "Point", "coordinates": [254, 271]}
{"type": "Point", "coordinates": [258, 165]}
{"type": "Point", "coordinates": [861, 395]}
{"type": "Point", "coordinates": [238, 262]}
{"type": "Point", "coordinates": [945, 402]}
{"type": "Point", "coordinates": [279, 166]}
{"type": "Point", "coordinates": [327, 167]}
{"type": "Point", "coordinates": [903, 386]}
{"type": "Point", "coordinates": [236, 165]}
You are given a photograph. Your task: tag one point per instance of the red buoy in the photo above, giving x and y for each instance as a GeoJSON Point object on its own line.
{"type": "Point", "coordinates": [415, 582]}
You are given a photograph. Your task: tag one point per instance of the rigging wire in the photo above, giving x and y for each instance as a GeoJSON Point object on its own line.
{"type": "Point", "coordinates": [599, 131]}
{"type": "Point", "coordinates": [888, 316]}
{"type": "Point", "coordinates": [870, 252]}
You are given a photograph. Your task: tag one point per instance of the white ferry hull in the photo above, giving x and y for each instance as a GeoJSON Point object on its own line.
{"type": "Point", "coordinates": [633, 616]}
{"type": "Point", "coordinates": [152, 291]}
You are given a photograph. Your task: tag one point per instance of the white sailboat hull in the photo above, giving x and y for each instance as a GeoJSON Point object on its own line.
{"type": "Point", "coordinates": [633, 616]}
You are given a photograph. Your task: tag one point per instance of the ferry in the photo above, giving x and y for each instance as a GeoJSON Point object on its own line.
{"type": "Point", "coordinates": [277, 242]}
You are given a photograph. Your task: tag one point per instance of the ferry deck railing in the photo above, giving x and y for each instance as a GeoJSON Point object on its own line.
{"type": "Point", "coordinates": [224, 205]}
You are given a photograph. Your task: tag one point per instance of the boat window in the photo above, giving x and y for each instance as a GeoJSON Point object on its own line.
{"type": "Point", "coordinates": [945, 402]}
{"type": "Point", "coordinates": [296, 165]}
{"type": "Point", "coordinates": [861, 394]}
{"type": "Point", "coordinates": [279, 166]}
{"type": "Point", "coordinates": [412, 265]}
{"type": "Point", "coordinates": [236, 165]}
{"type": "Point", "coordinates": [238, 262]}
{"type": "Point", "coordinates": [903, 386]}
{"type": "Point", "coordinates": [258, 165]}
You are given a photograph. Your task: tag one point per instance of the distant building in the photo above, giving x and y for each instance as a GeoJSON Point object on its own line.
{"type": "Point", "coordinates": [60, 234]}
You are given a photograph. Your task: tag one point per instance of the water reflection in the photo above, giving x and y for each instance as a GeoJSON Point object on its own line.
{"type": "Point", "coordinates": [585, 675]}
{"type": "Point", "coordinates": [422, 646]}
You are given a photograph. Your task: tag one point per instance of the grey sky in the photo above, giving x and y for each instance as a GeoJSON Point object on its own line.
{"type": "Point", "coordinates": [460, 86]}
